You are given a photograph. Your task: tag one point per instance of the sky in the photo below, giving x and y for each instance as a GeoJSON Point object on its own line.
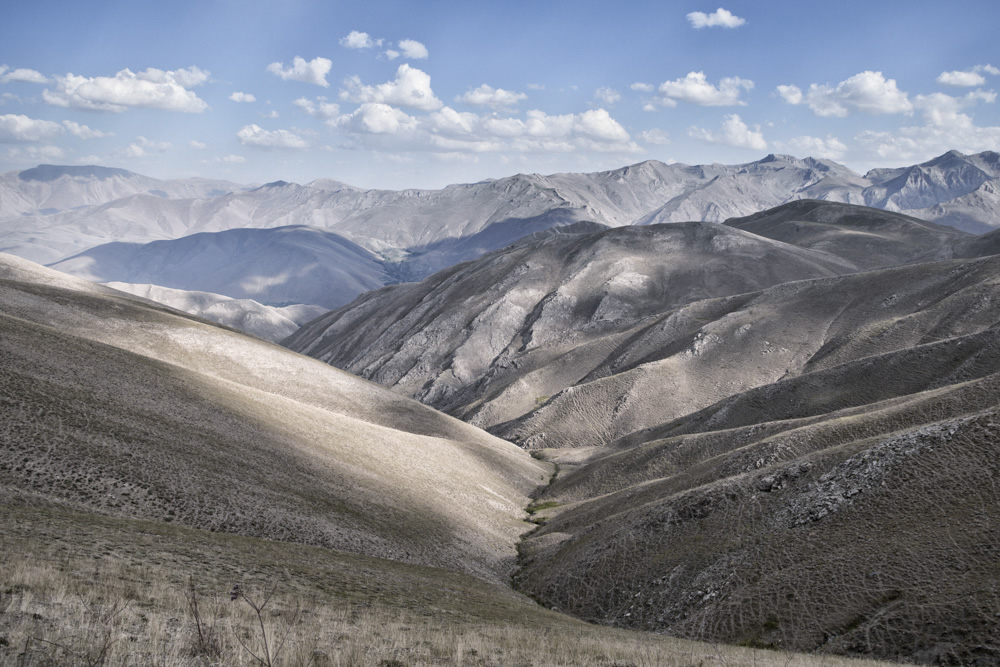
{"type": "Point", "coordinates": [404, 94]}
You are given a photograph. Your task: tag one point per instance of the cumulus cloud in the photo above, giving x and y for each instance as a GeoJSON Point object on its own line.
{"type": "Point", "coordinates": [152, 89]}
{"type": "Point", "coordinates": [867, 92]}
{"type": "Point", "coordinates": [642, 87]}
{"type": "Point", "coordinates": [231, 159]}
{"type": "Point", "coordinates": [16, 128]}
{"type": "Point", "coordinates": [720, 18]}
{"type": "Point", "coordinates": [84, 132]}
{"type": "Point", "coordinates": [197, 145]}
{"type": "Point", "coordinates": [318, 109]}
{"type": "Point", "coordinates": [696, 89]}
{"type": "Point", "coordinates": [142, 147]}
{"type": "Point", "coordinates": [8, 75]}
{"type": "Point", "coordinates": [487, 96]}
{"type": "Point", "coordinates": [791, 94]}
{"type": "Point", "coordinates": [413, 49]}
{"type": "Point", "coordinates": [312, 71]}
{"type": "Point", "coordinates": [381, 126]}
{"type": "Point", "coordinates": [607, 96]}
{"type": "Point", "coordinates": [359, 40]}
{"type": "Point", "coordinates": [967, 78]}
{"type": "Point", "coordinates": [258, 137]}
{"type": "Point", "coordinates": [242, 97]}
{"type": "Point", "coordinates": [734, 132]}
{"type": "Point", "coordinates": [377, 118]}
{"type": "Point", "coordinates": [946, 126]}
{"type": "Point", "coordinates": [411, 88]}
{"type": "Point", "coordinates": [655, 136]}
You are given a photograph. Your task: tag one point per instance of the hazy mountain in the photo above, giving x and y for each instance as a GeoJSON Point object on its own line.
{"type": "Point", "coordinates": [280, 266]}
{"type": "Point", "coordinates": [49, 189]}
{"type": "Point", "coordinates": [976, 212]}
{"type": "Point", "coordinates": [426, 230]}
{"type": "Point", "coordinates": [267, 322]}
{"type": "Point", "coordinates": [118, 406]}
{"type": "Point", "coordinates": [942, 179]}
{"type": "Point", "coordinates": [743, 189]}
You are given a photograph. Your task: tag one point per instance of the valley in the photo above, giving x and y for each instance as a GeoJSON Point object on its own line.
{"type": "Point", "coordinates": [664, 415]}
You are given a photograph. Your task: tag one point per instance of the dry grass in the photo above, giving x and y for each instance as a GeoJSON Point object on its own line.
{"type": "Point", "coordinates": [88, 590]}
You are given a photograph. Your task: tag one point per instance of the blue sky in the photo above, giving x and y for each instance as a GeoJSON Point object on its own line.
{"type": "Point", "coordinates": [396, 94]}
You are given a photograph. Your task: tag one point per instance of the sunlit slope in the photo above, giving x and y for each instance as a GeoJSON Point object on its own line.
{"type": "Point", "coordinates": [463, 339]}
{"type": "Point", "coordinates": [122, 407]}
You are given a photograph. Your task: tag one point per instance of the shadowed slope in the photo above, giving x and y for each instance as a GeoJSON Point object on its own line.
{"type": "Point", "coordinates": [870, 238]}
{"type": "Point", "coordinates": [281, 266]}
{"type": "Point", "coordinates": [119, 406]}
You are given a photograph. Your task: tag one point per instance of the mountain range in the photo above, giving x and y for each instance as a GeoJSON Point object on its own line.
{"type": "Point", "coordinates": [100, 216]}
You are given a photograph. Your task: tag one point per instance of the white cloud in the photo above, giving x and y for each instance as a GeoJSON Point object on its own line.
{"type": "Point", "coordinates": [392, 54]}
{"type": "Point", "coordinates": [946, 127]}
{"type": "Point", "coordinates": [272, 114]}
{"type": "Point", "coordinates": [447, 121]}
{"type": "Point", "coordinates": [961, 79]}
{"type": "Point", "coordinates": [242, 97]}
{"type": "Point", "coordinates": [16, 128]}
{"type": "Point", "coordinates": [151, 89]}
{"type": "Point", "coordinates": [696, 89]}
{"type": "Point", "coordinates": [413, 49]}
{"type": "Point", "coordinates": [868, 92]}
{"type": "Point", "coordinates": [487, 96]}
{"type": "Point", "coordinates": [318, 109]}
{"type": "Point", "coordinates": [967, 78]}
{"type": "Point", "coordinates": [385, 128]}
{"type": "Point", "coordinates": [359, 40]}
{"type": "Point", "coordinates": [377, 118]}
{"type": "Point", "coordinates": [655, 136]}
{"type": "Point", "coordinates": [197, 145]}
{"type": "Point", "coordinates": [8, 75]}
{"type": "Point", "coordinates": [830, 148]}
{"type": "Point", "coordinates": [231, 159]}
{"type": "Point", "coordinates": [535, 86]}
{"type": "Point", "coordinates": [791, 94]}
{"type": "Point", "coordinates": [254, 135]}
{"type": "Point", "coordinates": [312, 71]}
{"type": "Point", "coordinates": [607, 96]}
{"type": "Point", "coordinates": [642, 87]}
{"type": "Point", "coordinates": [410, 88]}
{"type": "Point", "coordinates": [142, 147]}
{"type": "Point", "coordinates": [721, 18]}
{"type": "Point", "coordinates": [734, 132]}
{"type": "Point", "coordinates": [84, 132]}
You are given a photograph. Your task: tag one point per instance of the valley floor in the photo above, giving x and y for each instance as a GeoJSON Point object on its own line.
{"type": "Point", "coordinates": [85, 589]}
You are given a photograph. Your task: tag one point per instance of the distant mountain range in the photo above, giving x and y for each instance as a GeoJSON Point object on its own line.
{"type": "Point", "coordinates": [325, 243]}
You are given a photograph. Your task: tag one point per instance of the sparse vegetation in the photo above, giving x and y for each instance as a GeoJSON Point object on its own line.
{"type": "Point", "coordinates": [91, 590]}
